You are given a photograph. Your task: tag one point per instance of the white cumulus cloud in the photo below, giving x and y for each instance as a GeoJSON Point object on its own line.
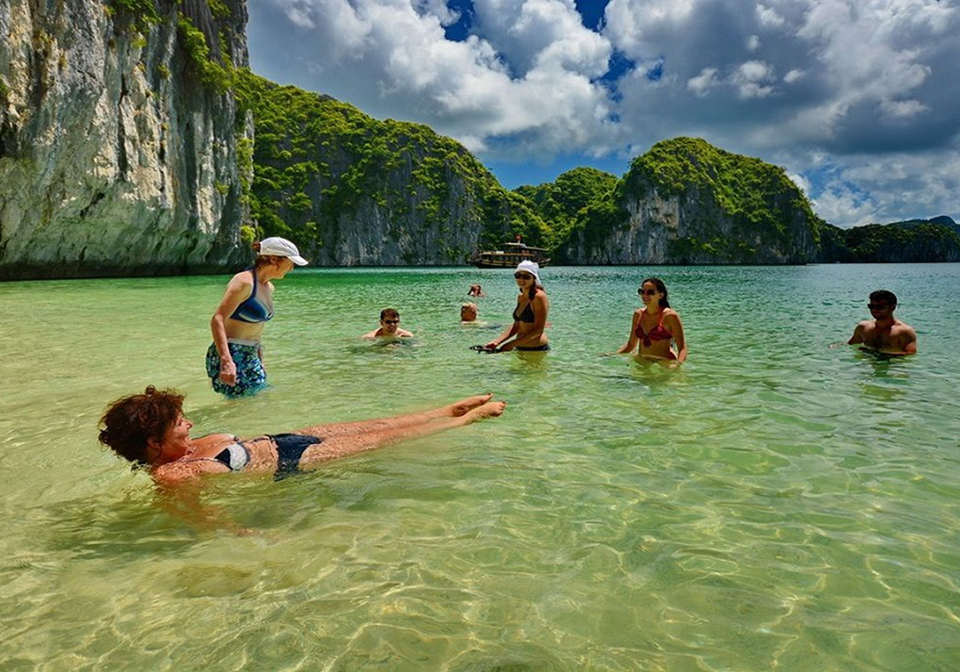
{"type": "Point", "coordinates": [779, 79]}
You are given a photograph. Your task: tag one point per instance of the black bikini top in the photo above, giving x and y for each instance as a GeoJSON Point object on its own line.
{"type": "Point", "coordinates": [525, 316]}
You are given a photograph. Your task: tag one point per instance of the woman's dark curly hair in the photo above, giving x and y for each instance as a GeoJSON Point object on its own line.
{"type": "Point", "coordinates": [129, 423]}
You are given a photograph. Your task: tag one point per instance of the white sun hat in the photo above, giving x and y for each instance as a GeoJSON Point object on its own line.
{"type": "Point", "coordinates": [281, 247]}
{"type": "Point", "coordinates": [531, 267]}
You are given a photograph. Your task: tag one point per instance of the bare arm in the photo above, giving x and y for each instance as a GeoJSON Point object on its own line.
{"type": "Point", "coordinates": [540, 307]}
{"type": "Point", "coordinates": [238, 290]}
{"type": "Point", "coordinates": [910, 347]}
{"type": "Point", "coordinates": [180, 497]}
{"type": "Point", "coordinates": [632, 340]}
{"type": "Point", "coordinates": [676, 328]}
{"type": "Point", "coordinates": [857, 335]}
{"type": "Point", "coordinates": [507, 333]}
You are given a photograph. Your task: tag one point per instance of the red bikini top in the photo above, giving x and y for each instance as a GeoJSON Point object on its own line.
{"type": "Point", "coordinates": [658, 333]}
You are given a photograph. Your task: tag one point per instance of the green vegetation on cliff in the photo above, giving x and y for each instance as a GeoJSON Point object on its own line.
{"type": "Point", "coordinates": [758, 196]}
{"type": "Point", "coordinates": [910, 241]}
{"type": "Point", "coordinates": [319, 162]}
{"type": "Point", "coordinates": [580, 197]}
{"type": "Point", "coordinates": [702, 204]}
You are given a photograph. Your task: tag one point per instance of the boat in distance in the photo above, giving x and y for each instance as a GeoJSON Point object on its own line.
{"type": "Point", "coordinates": [511, 255]}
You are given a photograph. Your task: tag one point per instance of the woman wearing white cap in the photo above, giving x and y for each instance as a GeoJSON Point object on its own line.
{"type": "Point", "coordinates": [530, 315]}
{"type": "Point", "coordinates": [235, 359]}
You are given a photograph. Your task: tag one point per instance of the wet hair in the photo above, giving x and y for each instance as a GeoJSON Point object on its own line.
{"type": "Point", "coordinates": [389, 312]}
{"type": "Point", "coordinates": [662, 288]}
{"type": "Point", "coordinates": [129, 423]}
{"type": "Point", "coordinates": [265, 259]}
{"type": "Point", "coordinates": [884, 295]}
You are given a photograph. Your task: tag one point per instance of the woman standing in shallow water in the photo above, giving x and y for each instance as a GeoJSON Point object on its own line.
{"type": "Point", "coordinates": [235, 358]}
{"type": "Point", "coordinates": [656, 325]}
{"type": "Point", "coordinates": [530, 315]}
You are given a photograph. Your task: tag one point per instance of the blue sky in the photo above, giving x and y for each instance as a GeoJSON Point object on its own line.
{"type": "Point", "coordinates": [857, 99]}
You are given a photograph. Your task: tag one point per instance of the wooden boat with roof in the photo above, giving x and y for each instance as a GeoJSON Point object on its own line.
{"type": "Point", "coordinates": [511, 255]}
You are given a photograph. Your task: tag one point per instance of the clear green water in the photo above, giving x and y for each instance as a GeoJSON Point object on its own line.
{"type": "Point", "coordinates": [773, 504]}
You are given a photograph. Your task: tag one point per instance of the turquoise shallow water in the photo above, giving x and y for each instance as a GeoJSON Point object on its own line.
{"type": "Point", "coordinates": [773, 504]}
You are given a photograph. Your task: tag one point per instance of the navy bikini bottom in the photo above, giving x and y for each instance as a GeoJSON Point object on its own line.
{"type": "Point", "coordinates": [290, 448]}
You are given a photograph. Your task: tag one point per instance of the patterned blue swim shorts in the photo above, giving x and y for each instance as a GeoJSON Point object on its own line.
{"type": "Point", "coordinates": [251, 378]}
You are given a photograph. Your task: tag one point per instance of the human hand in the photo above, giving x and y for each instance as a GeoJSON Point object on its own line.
{"type": "Point", "coordinates": [228, 372]}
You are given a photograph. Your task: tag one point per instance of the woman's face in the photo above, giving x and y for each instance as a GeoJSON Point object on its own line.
{"type": "Point", "coordinates": [649, 294]}
{"type": "Point", "coordinates": [176, 440]}
{"type": "Point", "coordinates": [524, 280]}
{"type": "Point", "coordinates": [284, 266]}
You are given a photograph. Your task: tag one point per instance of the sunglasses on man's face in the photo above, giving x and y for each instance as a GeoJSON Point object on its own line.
{"type": "Point", "coordinates": [646, 292]}
{"type": "Point", "coordinates": [522, 276]}
{"type": "Point", "coordinates": [391, 321]}
{"type": "Point", "coordinates": [877, 306]}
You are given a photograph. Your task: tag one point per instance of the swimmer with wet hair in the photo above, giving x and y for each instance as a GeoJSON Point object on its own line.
{"type": "Point", "coordinates": [468, 312]}
{"type": "Point", "coordinates": [389, 326]}
{"type": "Point", "coordinates": [884, 333]}
{"type": "Point", "coordinates": [151, 431]}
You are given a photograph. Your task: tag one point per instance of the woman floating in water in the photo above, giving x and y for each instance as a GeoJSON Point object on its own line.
{"type": "Point", "coordinates": [150, 429]}
{"type": "Point", "coordinates": [530, 315]}
{"type": "Point", "coordinates": [235, 359]}
{"type": "Point", "coordinates": [655, 325]}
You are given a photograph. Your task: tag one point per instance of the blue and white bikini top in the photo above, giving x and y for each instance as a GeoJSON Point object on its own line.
{"type": "Point", "coordinates": [253, 310]}
{"type": "Point", "coordinates": [235, 456]}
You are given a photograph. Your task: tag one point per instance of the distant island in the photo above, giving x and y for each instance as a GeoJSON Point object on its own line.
{"type": "Point", "coordinates": [136, 141]}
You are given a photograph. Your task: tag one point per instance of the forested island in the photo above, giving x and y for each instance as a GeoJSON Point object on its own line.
{"type": "Point", "coordinates": [134, 140]}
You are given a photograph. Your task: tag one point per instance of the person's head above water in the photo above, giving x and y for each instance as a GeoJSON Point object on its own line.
{"type": "Point", "coordinates": [389, 321]}
{"type": "Point", "coordinates": [133, 426]}
{"type": "Point", "coordinates": [468, 312]}
{"type": "Point", "coordinates": [527, 276]}
{"type": "Point", "coordinates": [882, 299]}
{"type": "Point", "coordinates": [651, 287]}
{"type": "Point", "coordinates": [275, 251]}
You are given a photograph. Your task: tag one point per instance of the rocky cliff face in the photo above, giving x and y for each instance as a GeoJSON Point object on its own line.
{"type": "Point", "coordinates": [933, 240]}
{"type": "Point", "coordinates": [115, 158]}
{"type": "Point", "coordinates": [686, 202]}
{"type": "Point", "coordinates": [352, 190]}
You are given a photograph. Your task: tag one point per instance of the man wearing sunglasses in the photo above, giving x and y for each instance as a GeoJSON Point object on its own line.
{"type": "Point", "coordinates": [389, 326]}
{"type": "Point", "coordinates": [885, 333]}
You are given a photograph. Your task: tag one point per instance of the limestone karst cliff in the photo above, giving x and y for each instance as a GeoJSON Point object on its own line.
{"type": "Point", "coordinates": [118, 148]}
{"type": "Point", "coordinates": [352, 190]}
{"type": "Point", "coordinates": [687, 202]}
{"type": "Point", "coordinates": [913, 241]}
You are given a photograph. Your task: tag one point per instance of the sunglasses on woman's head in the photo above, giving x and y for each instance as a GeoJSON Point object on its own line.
{"type": "Point", "coordinates": [391, 321]}
{"type": "Point", "coordinates": [646, 292]}
{"type": "Point", "coordinates": [522, 276]}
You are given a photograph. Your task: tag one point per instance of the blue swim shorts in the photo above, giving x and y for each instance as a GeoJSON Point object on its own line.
{"type": "Point", "coordinates": [251, 378]}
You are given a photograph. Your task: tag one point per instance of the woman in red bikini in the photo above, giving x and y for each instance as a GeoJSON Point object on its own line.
{"type": "Point", "coordinates": [656, 325]}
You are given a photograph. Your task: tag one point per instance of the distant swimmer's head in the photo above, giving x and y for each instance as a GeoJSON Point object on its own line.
{"type": "Point", "coordinates": [468, 312]}
{"type": "Point", "coordinates": [653, 289]}
{"type": "Point", "coordinates": [881, 301]}
{"type": "Point", "coordinates": [389, 321]}
{"type": "Point", "coordinates": [141, 427]}
{"type": "Point", "coordinates": [279, 252]}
